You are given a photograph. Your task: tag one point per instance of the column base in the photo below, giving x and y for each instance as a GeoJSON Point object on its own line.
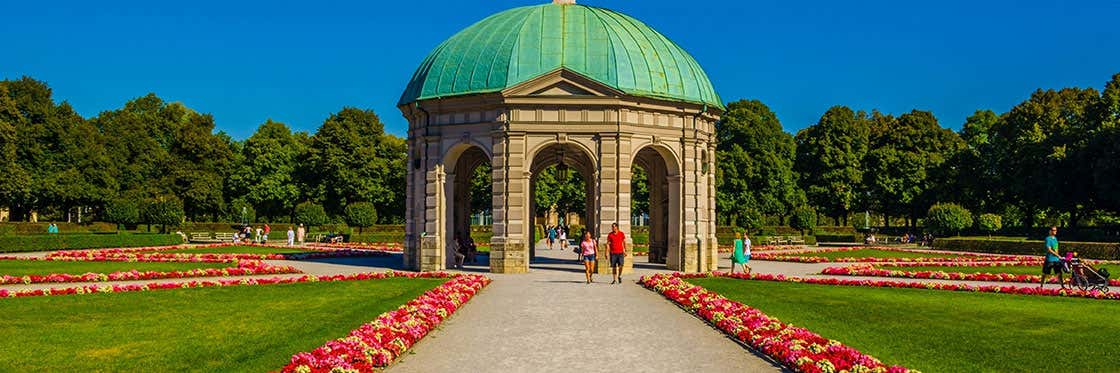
{"type": "Point", "coordinates": [509, 256]}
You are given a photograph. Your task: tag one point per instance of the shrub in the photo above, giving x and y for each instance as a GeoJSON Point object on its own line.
{"type": "Point", "coordinates": [164, 212]}
{"type": "Point", "coordinates": [751, 219]}
{"type": "Point", "coordinates": [123, 211]}
{"type": "Point", "coordinates": [311, 214]}
{"type": "Point", "coordinates": [85, 241]}
{"type": "Point", "coordinates": [361, 215]}
{"type": "Point", "coordinates": [989, 223]}
{"type": "Point", "coordinates": [1092, 250]}
{"type": "Point", "coordinates": [948, 218]}
{"type": "Point", "coordinates": [804, 219]}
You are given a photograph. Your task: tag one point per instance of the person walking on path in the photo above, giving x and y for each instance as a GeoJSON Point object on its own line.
{"type": "Point", "coordinates": [1053, 261]}
{"type": "Point", "coordinates": [551, 237]}
{"type": "Point", "coordinates": [300, 233]}
{"type": "Point", "coordinates": [563, 238]}
{"type": "Point", "coordinates": [742, 253]}
{"type": "Point", "coordinates": [259, 236]}
{"type": "Point", "coordinates": [617, 242]}
{"type": "Point", "coordinates": [291, 236]}
{"type": "Point", "coordinates": [267, 230]}
{"type": "Point", "coordinates": [587, 251]}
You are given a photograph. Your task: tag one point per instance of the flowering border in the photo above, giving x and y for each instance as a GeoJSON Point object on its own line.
{"type": "Point", "coordinates": [377, 344]}
{"type": "Point", "coordinates": [154, 254]}
{"type": "Point", "coordinates": [795, 347]}
{"type": "Point", "coordinates": [870, 271]}
{"type": "Point", "coordinates": [240, 268]}
{"type": "Point", "coordinates": [964, 257]}
{"type": "Point", "coordinates": [1016, 290]}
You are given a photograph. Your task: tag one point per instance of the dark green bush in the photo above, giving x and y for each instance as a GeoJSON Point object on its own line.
{"type": "Point", "coordinates": [84, 241]}
{"type": "Point", "coordinates": [361, 215]}
{"type": "Point", "coordinates": [947, 218]}
{"type": "Point", "coordinates": [804, 218]}
{"type": "Point", "coordinates": [823, 237]}
{"type": "Point", "coordinates": [24, 228]}
{"type": "Point", "coordinates": [1093, 250]}
{"type": "Point", "coordinates": [311, 214]}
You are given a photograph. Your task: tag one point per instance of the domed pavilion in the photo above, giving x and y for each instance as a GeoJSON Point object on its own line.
{"type": "Point", "coordinates": [588, 89]}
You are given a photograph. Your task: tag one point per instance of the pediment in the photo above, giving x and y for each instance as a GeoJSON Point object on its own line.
{"type": "Point", "coordinates": [562, 82]}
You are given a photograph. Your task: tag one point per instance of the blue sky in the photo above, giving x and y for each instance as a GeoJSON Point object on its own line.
{"type": "Point", "coordinates": [297, 62]}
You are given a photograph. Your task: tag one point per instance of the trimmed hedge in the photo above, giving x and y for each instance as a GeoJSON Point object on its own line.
{"type": "Point", "coordinates": [11, 244]}
{"type": "Point", "coordinates": [12, 228]}
{"type": "Point", "coordinates": [838, 238]}
{"type": "Point", "coordinates": [1092, 250]}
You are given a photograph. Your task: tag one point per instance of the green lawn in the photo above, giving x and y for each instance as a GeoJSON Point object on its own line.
{"type": "Point", "coordinates": [1016, 270]}
{"type": "Point", "coordinates": [45, 267]}
{"type": "Point", "coordinates": [942, 331]}
{"type": "Point", "coordinates": [872, 253]}
{"type": "Point", "coordinates": [240, 328]}
{"type": "Point", "coordinates": [238, 250]}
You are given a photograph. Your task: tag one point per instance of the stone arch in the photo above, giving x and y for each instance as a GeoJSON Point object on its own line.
{"type": "Point", "coordinates": [577, 157]}
{"type": "Point", "coordinates": [664, 176]}
{"type": "Point", "coordinates": [459, 162]}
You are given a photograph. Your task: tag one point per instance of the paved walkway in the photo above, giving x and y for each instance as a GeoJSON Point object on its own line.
{"type": "Point", "coordinates": [551, 321]}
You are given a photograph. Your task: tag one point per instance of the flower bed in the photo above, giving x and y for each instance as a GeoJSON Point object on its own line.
{"type": "Point", "coordinates": [797, 348]}
{"type": "Point", "coordinates": [1018, 290]}
{"type": "Point", "coordinates": [241, 268]}
{"type": "Point", "coordinates": [154, 254]}
{"type": "Point", "coordinates": [118, 288]}
{"type": "Point", "coordinates": [871, 271]}
{"type": "Point", "coordinates": [377, 344]}
{"type": "Point", "coordinates": [796, 256]}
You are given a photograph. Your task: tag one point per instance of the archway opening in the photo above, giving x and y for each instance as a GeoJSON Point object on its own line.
{"type": "Point", "coordinates": [470, 212]}
{"type": "Point", "coordinates": [652, 191]}
{"type": "Point", "coordinates": [561, 196]}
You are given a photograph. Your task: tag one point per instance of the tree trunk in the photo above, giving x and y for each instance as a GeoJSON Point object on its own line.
{"type": "Point", "coordinates": [886, 220]}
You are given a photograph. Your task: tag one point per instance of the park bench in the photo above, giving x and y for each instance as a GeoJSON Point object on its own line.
{"type": "Point", "coordinates": [201, 237]}
{"type": "Point", "coordinates": [771, 241]}
{"type": "Point", "coordinates": [796, 240]}
{"type": "Point", "coordinates": [223, 237]}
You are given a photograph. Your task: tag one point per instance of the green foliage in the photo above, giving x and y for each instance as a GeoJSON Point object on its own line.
{"type": "Point", "coordinates": [829, 159]}
{"type": "Point", "coordinates": [905, 160]}
{"type": "Point", "coordinates": [124, 211]}
{"type": "Point", "coordinates": [482, 187]}
{"type": "Point", "coordinates": [165, 212]}
{"type": "Point", "coordinates": [1092, 250]}
{"type": "Point", "coordinates": [361, 215]}
{"type": "Point", "coordinates": [804, 218]}
{"type": "Point", "coordinates": [948, 218]}
{"type": "Point", "coordinates": [989, 223]}
{"type": "Point", "coordinates": [560, 187]}
{"type": "Point", "coordinates": [639, 191]}
{"type": "Point", "coordinates": [754, 160]}
{"type": "Point", "coordinates": [311, 214]}
{"type": "Point", "coordinates": [84, 241]}
{"type": "Point", "coordinates": [266, 176]}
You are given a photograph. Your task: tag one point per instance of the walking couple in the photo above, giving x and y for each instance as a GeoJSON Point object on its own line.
{"type": "Point", "coordinates": [616, 242]}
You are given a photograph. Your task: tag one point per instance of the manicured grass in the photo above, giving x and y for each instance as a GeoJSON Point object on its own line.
{"type": "Point", "coordinates": [942, 331]}
{"type": "Point", "coordinates": [872, 253]}
{"type": "Point", "coordinates": [1015, 270]}
{"type": "Point", "coordinates": [240, 328]}
{"type": "Point", "coordinates": [45, 267]}
{"type": "Point", "coordinates": [238, 250]}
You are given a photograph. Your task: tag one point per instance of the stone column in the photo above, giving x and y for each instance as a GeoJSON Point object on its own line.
{"type": "Point", "coordinates": [509, 248]}
{"type": "Point", "coordinates": [614, 197]}
{"type": "Point", "coordinates": [693, 203]}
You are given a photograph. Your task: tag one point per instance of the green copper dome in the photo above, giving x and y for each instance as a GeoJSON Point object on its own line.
{"type": "Point", "coordinates": [520, 44]}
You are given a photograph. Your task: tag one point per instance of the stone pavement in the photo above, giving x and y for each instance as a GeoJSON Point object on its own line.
{"type": "Point", "coordinates": [549, 320]}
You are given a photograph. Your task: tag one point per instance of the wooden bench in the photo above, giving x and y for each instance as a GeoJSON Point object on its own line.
{"type": "Point", "coordinates": [796, 240]}
{"type": "Point", "coordinates": [223, 237]}
{"type": "Point", "coordinates": [201, 237]}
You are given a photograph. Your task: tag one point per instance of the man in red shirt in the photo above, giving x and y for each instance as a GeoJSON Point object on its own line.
{"type": "Point", "coordinates": [616, 240]}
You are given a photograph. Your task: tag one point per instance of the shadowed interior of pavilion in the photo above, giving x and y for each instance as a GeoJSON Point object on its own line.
{"type": "Point", "coordinates": [566, 165]}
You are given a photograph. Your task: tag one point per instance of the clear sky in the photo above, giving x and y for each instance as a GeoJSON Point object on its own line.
{"type": "Point", "coordinates": [297, 62]}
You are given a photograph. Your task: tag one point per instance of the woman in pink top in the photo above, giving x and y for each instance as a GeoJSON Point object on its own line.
{"type": "Point", "coordinates": [587, 249]}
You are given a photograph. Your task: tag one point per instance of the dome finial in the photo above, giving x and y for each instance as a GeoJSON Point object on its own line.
{"type": "Point", "coordinates": [564, 2]}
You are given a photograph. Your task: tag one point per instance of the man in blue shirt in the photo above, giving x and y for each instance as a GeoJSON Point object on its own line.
{"type": "Point", "coordinates": [1053, 261]}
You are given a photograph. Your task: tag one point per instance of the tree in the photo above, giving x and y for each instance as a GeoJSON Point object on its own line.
{"type": "Point", "coordinates": [164, 211]}
{"type": "Point", "coordinates": [266, 176]}
{"type": "Point", "coordinates": [311, 214]}
{"type": "Point", "coordinates": [948, 218]}
{"type": "Point", "coordinates": [1037, 143]}
{"type": "Point", "coordinates": [560, 187]}
{"type": "Point", "coordinates": [482, 196]}
{"type": "Point", "coordinates": [1102, 154]}
{"type": "Point", "coordinates": [15, 184]}
{"type": "Point", "coordinates": [989, 223]}
{"type": "Point", "coordinates": [977, 174]}
{"type": "Point", "coordinates": [122, 211]}
{"type": "Point", "coordinates": [351, 158]}
{"type": "Point", "coordinates": [906, 158]}
{"type": "Point", "coordinates": [361, 215]}
{"type": "Point", "coordinates": [804, 219]}
{"type": "Point", "coordinates": [639, 191]}
{"type": "Point", "coordinates": [829, 160]}
{"type": "Point", "coordinates": [754, 159]}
